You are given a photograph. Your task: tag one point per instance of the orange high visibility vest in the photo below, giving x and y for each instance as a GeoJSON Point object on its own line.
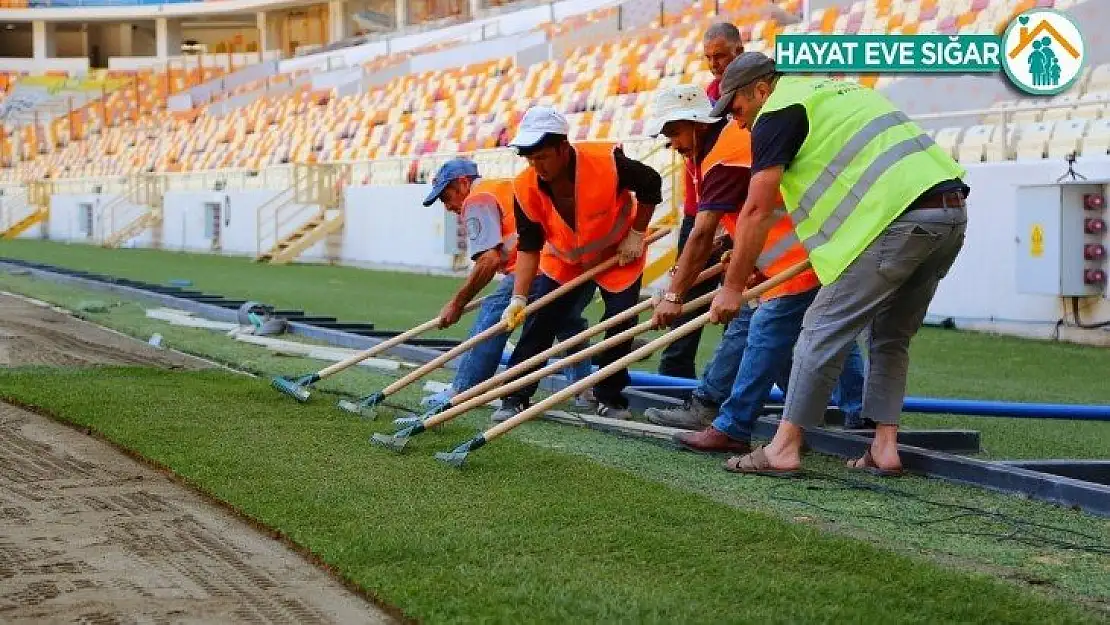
{"type": "Point", "coordinates": [782, 249]}
{"type": "Point", "coordinates": [603, 215]}
{"type": "Point", "coordinates": [500, 194]}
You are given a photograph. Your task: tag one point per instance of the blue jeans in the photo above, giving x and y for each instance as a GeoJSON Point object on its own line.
{"type": "Point", "coordinates": [766, 358]}
{"type": "Point", "coordinates": [720, 373]}
{"type": "Point", "coordinates": [480, 362]}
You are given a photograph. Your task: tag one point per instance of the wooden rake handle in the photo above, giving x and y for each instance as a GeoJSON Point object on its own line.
{"type": "Point", "coordinates": [500, 326]}
{"type": "Point", "coordinates": [539, 374]}
{"type": "Point", "coordinates": [389, 343]}
{"type": "Point", "coordinates": [581, 337]}
{"type": "Point", "coordinates": [639, 354]}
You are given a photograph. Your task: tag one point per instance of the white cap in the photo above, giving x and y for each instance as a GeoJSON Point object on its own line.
{"type": "Point", "coordinates": [679, 103]}
{"type": "Point", "coordinates": [539, 121]}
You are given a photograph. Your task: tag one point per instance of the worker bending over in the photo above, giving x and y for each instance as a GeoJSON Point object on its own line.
{"type": "Point", "coordinates": [755, 351]}
{"type": "Point", "coordinates": [576, 203]}
{"type": "Point", "coordinates": [487, 210]}
{"type": "Point", "coordinates": [721, 44]}
{"type": "Point", "coordinates": [880, 210]}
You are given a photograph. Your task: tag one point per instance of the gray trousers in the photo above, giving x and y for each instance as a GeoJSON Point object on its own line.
{"type": "Point", "coordinates": [886, 291]}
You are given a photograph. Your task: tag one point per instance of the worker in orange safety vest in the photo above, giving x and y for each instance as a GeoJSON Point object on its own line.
{"type": "Point", "coordinates": [756, 349]}
{"type": "Point", "coordinates": [487, 208]}
{"type": "Point", "coordinates": [581, 204]}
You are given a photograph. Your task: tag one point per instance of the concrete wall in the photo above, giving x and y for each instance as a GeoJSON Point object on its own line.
{"type": "Point", "coordinates": [386, 225]}
{"type": "Point", "coordinates": [982, 285]}
{"type": "Point", "coordinates": [476, 52]}
{"type": "Point", "coordinates": [184, 216]}
{"type": "Point", "coordinates": [67, 215]}
{"type": "Point", "coordinates": [72, 66]}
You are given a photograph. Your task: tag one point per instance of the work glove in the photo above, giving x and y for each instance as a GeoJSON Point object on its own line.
{"type": "Point", "coordinates": [631, 248]}
{"type": "Point", "coordinates": [514, 312]}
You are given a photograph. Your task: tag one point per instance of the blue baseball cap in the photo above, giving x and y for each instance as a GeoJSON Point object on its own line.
{"type": "Point", "coordinates": [452, 169]}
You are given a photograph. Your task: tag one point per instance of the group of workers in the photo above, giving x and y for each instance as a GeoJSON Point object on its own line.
{"type": "Point", "coordinates": [780, 170]}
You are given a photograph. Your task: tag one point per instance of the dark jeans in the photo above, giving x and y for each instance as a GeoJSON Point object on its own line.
{"type": "Point", "coordinates": [540, 330]}
{"type": "Point", "coordinates": [679, 358]}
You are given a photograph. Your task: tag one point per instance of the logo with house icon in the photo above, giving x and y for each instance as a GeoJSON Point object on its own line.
{"type": "Point", "coordinates": [1043, 52]}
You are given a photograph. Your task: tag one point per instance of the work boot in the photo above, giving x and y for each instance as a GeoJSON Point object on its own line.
{"type": "Point", "coordinates": [509, 408]}
{"type": "Point", "coordinates": [611, 411]}
{"type": "Point", "coordinates": [585, 400]}
{"type": "Point", "coordinates": [693, 414]}
{"type": "Point", "coordinates": [711, 440]}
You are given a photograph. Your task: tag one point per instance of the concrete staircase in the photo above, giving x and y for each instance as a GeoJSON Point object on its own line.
{"type": "Point", "coordinates": [309, 212]}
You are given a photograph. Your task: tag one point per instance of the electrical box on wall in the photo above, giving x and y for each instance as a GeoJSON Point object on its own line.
{"type": "Point", "coordinates": [1062, 239]}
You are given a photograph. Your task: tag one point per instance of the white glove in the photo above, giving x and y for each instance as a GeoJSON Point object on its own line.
{"type": "Point", "coordinates": [514, 312]}
{"type": "Point", "coordinates": [631, 248]}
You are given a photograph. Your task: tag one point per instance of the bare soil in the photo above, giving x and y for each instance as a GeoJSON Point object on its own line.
{"type": "Point", "coordinates": [33, 334]}
{"type": "Point", "coordinates": [88, 535]}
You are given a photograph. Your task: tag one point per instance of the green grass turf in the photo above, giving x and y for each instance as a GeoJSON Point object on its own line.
{"type": "Point", "coordinates": [916, 518]}
{"type": "Point", "coordinates": [944, 363]}
{"type": "Point", "coordinates": [395, 301]}
{"type": "Point", "coordinates": [523, 534]}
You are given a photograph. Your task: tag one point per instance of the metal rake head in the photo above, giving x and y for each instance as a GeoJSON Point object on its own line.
{"type": "Point", "coordinates": [292, 388]}
{"type": "Point", "coordinates": [408, 420]}
{"type": "Point", "coordinates": [457, 456]}
{"type": "Point", "coordinates": [365, 407]}
{"type": "Point", "coordinates": [453, 458]}
{"type": "Point", "coordinates": [390, 441]}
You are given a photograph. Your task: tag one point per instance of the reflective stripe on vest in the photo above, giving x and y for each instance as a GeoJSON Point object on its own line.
{"type": "Point", "coordinates": [776, 251]}
{"type": "Point", "coordinates": [887, 160]}
{"type": "Point", "coordinates": [861, 164]}
{"type": "Point", "coordinates": [575, 255]}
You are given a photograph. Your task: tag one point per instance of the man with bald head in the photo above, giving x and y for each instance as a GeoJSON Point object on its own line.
{"type": "Point", "coordinates": [721, 44]}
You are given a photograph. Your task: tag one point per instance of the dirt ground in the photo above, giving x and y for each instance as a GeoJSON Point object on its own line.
{"type": "Point", "coordinates": [88, 535]}
{"type": "Point", "coordinates": [32, 334]}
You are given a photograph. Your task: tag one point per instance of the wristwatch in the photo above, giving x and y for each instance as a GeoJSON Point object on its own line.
{"type": "Point", "coordinates": [672, 297]}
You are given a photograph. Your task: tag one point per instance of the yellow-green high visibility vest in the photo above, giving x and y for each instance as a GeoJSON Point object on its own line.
{"type": "Point", "coordinates": [861, 165]}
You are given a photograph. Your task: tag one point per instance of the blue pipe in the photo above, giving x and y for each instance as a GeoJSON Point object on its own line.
{"type": "Point", "coordinates": [925, 405]}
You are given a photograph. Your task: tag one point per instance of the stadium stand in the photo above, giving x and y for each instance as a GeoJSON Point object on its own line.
{"type": "Point", "coordinates": [604, 87]}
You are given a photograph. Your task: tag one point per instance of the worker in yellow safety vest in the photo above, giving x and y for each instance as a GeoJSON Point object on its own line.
{"type": "Point", "coordinates": [880, 210]}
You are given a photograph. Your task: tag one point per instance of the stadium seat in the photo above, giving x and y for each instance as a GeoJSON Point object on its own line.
{"type": "Point", "coordinates": [1059, 114]}
{"type": "Point", "coordinates": [948, 139]}
{"type": "Point", "coordinates": [973, 145]}
{"type": "Point", "coordinates": [1092, 105]}
{"type": "Point", "coordinates": [1066, 137]}
{"type": "Point", "coordinates": [1032, 140]}
{"type": "Point", "coordinates": [1097, 141]}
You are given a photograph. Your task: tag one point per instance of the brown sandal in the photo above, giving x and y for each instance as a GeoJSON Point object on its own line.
{"type": "Point", "coordinates": [756, 463]}
{"type": "Point", "coordinates": [866, 464]}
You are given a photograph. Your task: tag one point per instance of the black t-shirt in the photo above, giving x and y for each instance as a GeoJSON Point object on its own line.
{"type": "Point", "coordinates": [777, 137]}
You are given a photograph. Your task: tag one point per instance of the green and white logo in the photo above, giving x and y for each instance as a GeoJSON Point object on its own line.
{"type": "Point", "coordinates": [1044, 52]}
